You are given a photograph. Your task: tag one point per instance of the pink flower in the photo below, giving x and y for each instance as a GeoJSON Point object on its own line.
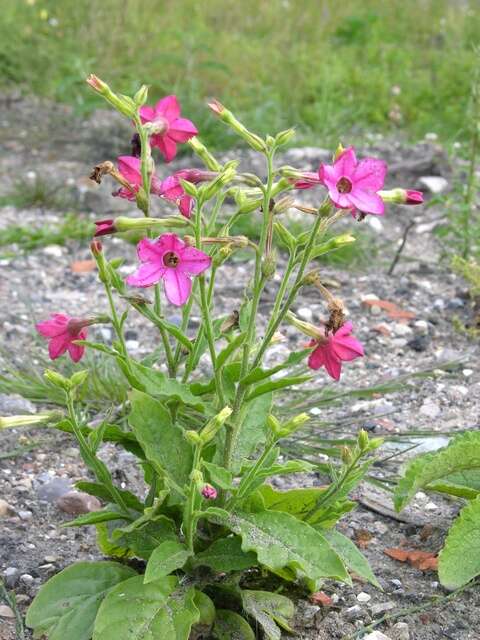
{"type": "Point", "coordinates": [104, 227]}
{"type": "Point", "coordinates": [354, 185]}
{"type": "Point", "coordinates": [130, 169]}
{"type": "Point", "coordinates": [209, 492]}
{"type": "Point", "coordinates": [172, 129]}
{"type": "Point", "coordinates": [62, 330]}
{"type": "Point", "coordinates": [307, 181]}
{"type": "Point", "coordinates": [169, 259]}
{"type": "Point", "coordinates": [337, 347]}
{"type": "Point", "coordinates": [171, 188]}
{"type": "Point", "coordinates": [414, 197]}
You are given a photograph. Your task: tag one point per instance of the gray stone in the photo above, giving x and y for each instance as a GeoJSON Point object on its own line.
{"type": "Point", "coordinates": [400, 631]}
{"type": "Point", "coordinates": [402, 330]}
{"type": "Point", "coordinates": [434, 184]}
{"type": "Point", "coordinates": [53, 489]}
{"type": "Point", "coordinates": [430, 409]}
{"type": "Point", "coordinates": [10, 575]}
{"type": "Point", "coordinates": [363, 597]}
{"type": "Point", "coordinates": [27, 579]}
{"type": "Point", "coordinates": [381, 607]}
{"type": "Point", "coordinates": [353, 613]}
{"type": "Point", "coordinates": [15, 405]}
{"type": "Point", "coordinates": [376, 635]}
{"type": "Point", "coordinates": [25, 515]}
{"type": "Point", "coordinates": [76, 502]}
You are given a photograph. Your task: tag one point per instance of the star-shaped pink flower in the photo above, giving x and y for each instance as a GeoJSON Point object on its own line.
{"type": "Point", "coordinates": [62, 330]}
{"type": "Point", "coordinates": [337, 347]}
{"type": "Point", "coordinates": [354, 185]}
{"type": "Point", "coordinates": [130, 168]}
{"type": "Point", "coordinates": [169, 259]}
{"type": "Point", "coordinates": [173, 128]}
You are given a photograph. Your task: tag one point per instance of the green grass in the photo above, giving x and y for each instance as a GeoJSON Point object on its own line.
{"type": "Point", "coordinates": [327, 66]}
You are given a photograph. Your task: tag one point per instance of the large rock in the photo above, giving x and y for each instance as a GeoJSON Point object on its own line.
{"type": "Point", "coordinates": [75, 503]}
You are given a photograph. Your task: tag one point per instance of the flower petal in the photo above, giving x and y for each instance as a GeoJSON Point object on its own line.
{"type": "Point", "coordinates": [367, 202]}
{"type": "Point", "coordinates": [317, 358]}
{"type": "Point", "coordinates": [193, 261]}
{"type": "Point", "coordinates": [171, 242]}
{"type": "Point", "coordinates": [347, 347]}
{"type": "Point", "coordinates": [332, 364]}
{"type": "Point", "coordinates": [171, 188]}
{"type": "Point", "coordinates": [56, 325]}
{"type": "Point", "coordinates": [58, 345]}
{"type": "Point", "coordinates": [147, 114]}
{"type": "Point", "coordinates": [182, 130]}
{"type": "Point", "coordinates": [146, 275]}
{"type": "Point", "coordinates": [129, 167]}
{"type": "Point", "coordinates": [76, 351]}
{"type": "Point", "coordinates": [346, 162]}
{"type": "Point", "coordinates": [370, 174]}
{"type": "Point", "coordinates": [344, 330]}
{"type": "Point", "coordinates": [177, 286]}
{"type": "Point", "coordinates": [150, 251]}
{"type": "Point", "coordinates": [185, 205]}
{"type": "Point", "coordinates": [328, 176]}
{"type": "Point", "coordinates": [168, 107]}
{"type": "Point", "coordinates": [167, 146]}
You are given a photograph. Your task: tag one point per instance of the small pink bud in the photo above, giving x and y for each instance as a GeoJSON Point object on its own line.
{"type": "Point", "coordinates": [96, 247]}
{"type": "Point", "coordinates": [96, 83]}
{"type": "Point", "coordinates": [105, 227]}
{"type": "Point", "coordinates": [414, 197]}
{"type": "Point", "coordinates": [216, 106]}
{"type": "Point", "coordinates": [209, 492]}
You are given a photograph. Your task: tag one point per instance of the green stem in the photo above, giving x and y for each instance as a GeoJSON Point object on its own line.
{"type": "Point", "coordinates": [248, 478]}
{"type": "Point", "coordinates": [189, 521]}
{"type": "Point", "coordinates": [115, 321]}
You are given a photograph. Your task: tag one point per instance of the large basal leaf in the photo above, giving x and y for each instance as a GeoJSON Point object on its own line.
{"type": "Point", "coordinates": [231, 626]}
{"type": "Point", "coordinates": [226, 555]}
{"type": "Point", "coordinates": [351, 556]}
{"type": "Point", "coordinates": [158, 384]}
{"type": "Point", "coordinates": [269, 610]}
{"type": "Point", "coordinates": [163, 442]}
{"type": "Point", "coordinates": [158, 610]}
{"type": "Point", "coordinates": [143, 539]}
{"type": "Point", "coordinates": [296, 502]}
{"type": "Point", "coordinates": [281, 541]}
{"type": "Point", "coordinates": [253, 431]}
{"type": "Point", "coordinates": [166, 558]}
{"type": "Point", "coordinates": [459, 560]}
{"type": "Point", "coordinates": [66, 606]}
{"type": "Point", "coordinates": [462, 454]}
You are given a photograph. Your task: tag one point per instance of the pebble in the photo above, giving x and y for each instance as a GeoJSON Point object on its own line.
{"type": "Point", "coordinates": [434, 184]}
{"type": "Point", "coordinates": [381, 607]}
{"type": "Point", "coordinates": [132, 345]}
{"type": "Point", "coordinates": [353, 613]}
{"type": "Point", "coordinates": [439, 304]}
{"type": "Point", "coordinates": [419, 343]}
{"type": "Point", "coordinates": [430, 409]}
{"type": "Point", "coordinates": [380, 527]}
{"type": "Point", "coordinates": [6, 510]}
{"type": "Point", "coordinates": [76, 502]}
{"type": "Point", "coordinates": [6, 612]}
{"type": "Point", "coordinates": [376, 635]}
{"type": "Point", "coordinates": [402, 330]}
{"type": "Point", "coordinates": [399, 343]}
{"type": "Point", "coordinates": [455, 303]}
{"type": "Point", "coordinates": [25, 515]}
{"type": "Point", "coordinates": [10, 576]}
{"type": "Point", "coordinates": [421, 326]}
{"type": "Point", "coordinates": [467, 372]}
{"type": "Point", "coordinates": [305, 313]}
{"type": "Point", "coordinates": [431, 506]}
{"type": "Point", "coordinates": [26, 578]}
{"type": "Point", "coordinates": [363, 597]}
{"type": "Point", "coordinates": [400, 631]}
{"type": "Point", "coordinates": [55, 488]}
{"type": "Point", "coordinates": [53, 250]}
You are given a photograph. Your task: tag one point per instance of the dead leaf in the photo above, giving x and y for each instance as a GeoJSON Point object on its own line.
{"type": "Point", "coordinates": [82, 266]}
{"type": "Point", "coordinates": [321, 598]}
{"type": "Point", "coordinates": [393, 310]}
{"type": "Point", "coordinates": [423, 560]}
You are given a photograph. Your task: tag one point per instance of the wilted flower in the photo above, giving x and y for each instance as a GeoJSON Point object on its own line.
{"type": "Point", "coordinates": [62, 330]}
{"type": "Point", "coordinates": [169, 259]}
{"type": "Point", "coordinates": [165, 115]}
{"type": "Point", "coordinates": [354, 185]}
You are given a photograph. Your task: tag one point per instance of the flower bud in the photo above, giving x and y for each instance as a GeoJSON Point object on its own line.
{"type": "Point", "coordinates": [121, 103]}
{"type": "Point", "coordinates": [57, 379]}
{"type": "Point", "coordinates": [305, 327]}
{"type": "Point", "coordinates": [214, 425]}
{"type": "Point", "coordinates": [79, 378]}
{"type": "Point", "coordinates": [209, 492]}
{"type": "Point", "coordinates": [295, 423]}
{"type": "Point", "coordinates": [229, 119]}
{"type": "Point", "coordinates": [104, 227]}
{"type": "Point", "coordinates": [274, 425]}
{"type": "Point", "coordinates": [338, 151]}
{"type": "Point", "coordinates": [401, 196]}
{"type": "Point", "coordinates": [346, 455]}
{"type": "Point", "coordinates": [122, 223]}
{"type": "Point", "coordinates": [284, 137]}
{"type": "Point", "coordinates": [269, 264]}
{"type": "Point", "coordinates": [97, 252]}
{"type": "Point", "coordinates": [204, 154]}
{"type": "Point", "coordinates": [284, 204]}
{"type": "Point", "coordinates": [189, 188]}
{"type": "Point", "coordinates": [193, 437]}
{"type": "Point", "coordinates": [363, 440]}
{"type": "Point", "coordinates": [11, 422]}
{"type": "Point", "coordinates": [96, 247]}
{"type": "Point", "coordinates": [141, 96]}
{"type": "Point", "coordinates": [285, 236]}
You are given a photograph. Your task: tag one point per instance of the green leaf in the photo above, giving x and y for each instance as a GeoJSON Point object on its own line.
{"type": "Point", "coordinates": [66, 606]}
{"type": "Point", "coordinates": [268, 609]}
{"type": "Point", "coordinates": [260, 374]}
{"type": "Point", "coordinates": [205, 607]}
{"type": "Point", "coordinates": [459, 560]}
{"type": "Point", "coordinates": [176, 333]}
{"type": "Point", "coordinates": [163, 442]}
{"type": "Point", "coordinates": [454, 490]}
{"type": "Point", "coordinates": [291, 466]}
{"type": "Point", "coordinates": [275, 385]}
{"type": "Point", "coordinates": [253, 431]}
{"type": "Point", "coordinates": [296, 502]}
{"type": "Point", "coordinates": [94, 518]}
{"type": "Point", "coordinates": [102, 492]}
{"type": "Point", "coordinates": [158, 384]}
{"type": "Point", "coordinates": [280, 540]}
{"type": "Point", "coordinates": [225, 555]}
{"type": "Point", "coordinates": [219, 476]}
{"type": "Point", "coordinates": [462, 454]}
{"type": "Point", "coordinates": [167, 557]}
{"type": "Point", "coordinates": [284, 235]}
{"type": "Point", "coordinates": [154, 611]}
{"type": "Point", "coordinates": [353, 559]}
{"type": "Point", "coordinates": [144, 538]}
{"type": "Point", "coordinates": [231, 626]}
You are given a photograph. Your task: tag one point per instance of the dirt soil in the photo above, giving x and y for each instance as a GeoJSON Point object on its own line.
{"type": "Point", "coordinates": [47, 142]}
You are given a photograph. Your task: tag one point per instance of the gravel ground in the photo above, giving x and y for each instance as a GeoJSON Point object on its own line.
{"type": "Point", "coordinates": [43, 141]}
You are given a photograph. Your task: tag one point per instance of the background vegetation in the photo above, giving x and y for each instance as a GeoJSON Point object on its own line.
{"type": "Point", "coordinates": [328, 65]}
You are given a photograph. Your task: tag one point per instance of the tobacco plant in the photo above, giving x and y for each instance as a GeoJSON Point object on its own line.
{"type": "Point", "coordinates": [206, 550]}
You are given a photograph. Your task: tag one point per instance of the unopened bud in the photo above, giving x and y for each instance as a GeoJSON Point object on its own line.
{"type": "Point", "coordinates": [204, 154]}
{"type": "Point", "coordinates": [274, 425]}
{"type": "Point", "coordinates": [141, 96]}
{"type": "Point", "coordinates": [57, 379]}
{"type": "Point", "coordinates": [284, 204]}
{"type": "Point", "coordinates": [102, 266]}
{"type": "Point", "coordinates": [193, 437]}
{"type": "Point", "coordinates": [346, 455]}
{"type": "Point", "coordinates": [209, 492]}
{"type": "Point", "coordinates": [269, 264]}
{"type": "Point", "coordinates": [189, 188]}
{"type": "Point", "coordinates": [104, 227]}
{"type": "Point", "coordinates": [79, 378]}
{"type": "Point", "coordinates": [338, 151]}
{"type": "Point", "coordinates": [284, 137]}
{"type": "Point", "coordinates": [294, 424]}
{"type": "Point", "coordinates": [402, 196]}
{"type": "Point", "coordinates": [363, 440]}
{"type": "Point", "coordinates": [285, 236]}
{"type": "Point", "coordinates": [96, 247]}
{"type": "Point", "coordinates": [121, 103]}
{"type": "Point", "coordinates": [11, 422]}
{"type": "Point", "coordinates": [214, 425]}
{"type": "Point", "coordinates": [227, 116]}
{"type": "Point", "coordinates": [122, 223]}
{"type": "Point", "coordinates": [305, 327]}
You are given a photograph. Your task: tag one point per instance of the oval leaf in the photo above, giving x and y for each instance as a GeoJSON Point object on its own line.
{"type": "Point", "coordinates": [229, 625]}
{"type": "Point", "coordinates": [167, 557]}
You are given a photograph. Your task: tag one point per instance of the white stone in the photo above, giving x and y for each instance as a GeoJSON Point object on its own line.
{"type": "Point", "coordinates": [400, 329]}
{"type": "Point", "coordinates": [315, 411]}
{"type": "Point", "coordinates": [305, 313]}
{"type": "Point", "coordinates": [467, 372]}
{"type": "Point", "coordinates": [431, 506]}
{"type": "Point", "coordinates": [431, 136]}
{"type": "Point", "coordinates": [53, 250]}
{"type": "Point", "coordinates": [430, 409]}
{"type": "Point", "coordinates": [420, 495]}
{"type": "Point", "coordinates": [421, 326]}
{"type": "Point", "coordinates": [400, 631]}
{"type": "Point", "coordinates": [434, 184]}
{"type": "Point", "coordinates": [376, 635]}
{"type": "Point", "coordinates": [375, 223]}
{"type": "Point", "coordinates": [363, 597]}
